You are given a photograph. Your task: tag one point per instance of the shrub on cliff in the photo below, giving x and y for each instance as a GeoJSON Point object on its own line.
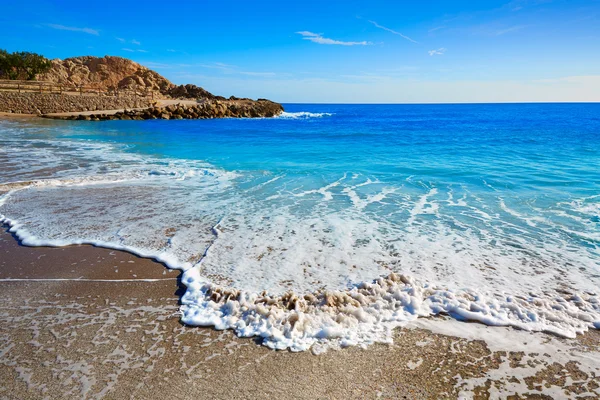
{"type": "Point", "coordinates": [5, 63]}
{"type": "Point", "coordinates": [22, 65]}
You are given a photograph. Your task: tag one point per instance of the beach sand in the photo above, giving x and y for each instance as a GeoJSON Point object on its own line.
{"type": "Point", "coordinates": [81, 322]}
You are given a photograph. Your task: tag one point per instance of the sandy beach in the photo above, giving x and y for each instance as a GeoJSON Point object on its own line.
{"type": "Point", "coordinates": [367, 200]}
{"type": "Point", "coordinates": [86, 322]}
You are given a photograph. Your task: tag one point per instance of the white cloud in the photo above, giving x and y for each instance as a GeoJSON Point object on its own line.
{"type": "Point", "coordinates": [133, 51]}
{"type": "Point", "coordinates": [156, 65]}
{"type": "Point", "coordinates": [307, 33]}
{"type": "Point", "coordinates": [172, 51]}
{"type": "Point", "coordinates": [74, 29]}
{"type": "Point", "coordinates": [232, 69]}
{"type": "Point", "coordinates": [132, 41]}
{"type": "Point", "coordinates": [511, 29]}
{"type": "Point", "coordinates": [223, 65]}
{"type": "Point", "coordinates": [250, 73]}
{"type": "Point", "coordinates": [393, 31]}
{"type": "Point", "coordinates": [437, 28]}
{"type": "Point", "coordinates": [437, 52]}
{"type": "Point", "coordinates": [218, 65]}
{"type": "Point", "coordinates": [318, 38]}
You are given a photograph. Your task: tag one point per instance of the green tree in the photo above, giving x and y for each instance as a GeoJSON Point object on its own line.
{"type": "Point", "coordinates": [5, 64]}
{"type": "Point", "coordinates": [22, 65]}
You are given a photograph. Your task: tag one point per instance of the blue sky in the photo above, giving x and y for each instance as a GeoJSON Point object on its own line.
{"type": "Point", "coordinates": [335, 51]}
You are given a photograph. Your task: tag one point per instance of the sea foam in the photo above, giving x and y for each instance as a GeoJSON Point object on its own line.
{"type": "Point", "coordinates": [302, 258]}
{"type": "Point", "coordinates": [302, 115]}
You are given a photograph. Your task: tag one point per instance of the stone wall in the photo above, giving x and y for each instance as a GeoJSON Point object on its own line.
{"type": "Point", "coordinates": [44, 103]}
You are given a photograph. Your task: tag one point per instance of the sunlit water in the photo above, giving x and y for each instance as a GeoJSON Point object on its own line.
{"type": "Point", "coordinates": [488, 202]}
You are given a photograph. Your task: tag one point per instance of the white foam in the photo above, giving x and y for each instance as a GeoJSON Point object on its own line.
{"type": "Point", "coordinates": [369, 312]}
{"type": "Point", "coordinates": [311, 236]}
{"type": "Point", "coordinates": [302, 115]}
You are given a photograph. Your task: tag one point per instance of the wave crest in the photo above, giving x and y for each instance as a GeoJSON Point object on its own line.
{"type": "Point", "coordinates": [303, 115]}
{"type": "Point", "coordinates": [368, 312]}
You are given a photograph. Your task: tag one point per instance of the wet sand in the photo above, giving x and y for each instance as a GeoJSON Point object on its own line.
{"type": "Point", "coordinates": [86, 322]}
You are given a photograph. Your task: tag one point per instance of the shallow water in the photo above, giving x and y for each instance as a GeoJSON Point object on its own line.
{"type": "Point", "coordinates": [489, 212]}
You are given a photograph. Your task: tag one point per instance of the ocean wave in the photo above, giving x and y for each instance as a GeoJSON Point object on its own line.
{"type": "Point", "coordinates": [303, 115]}
{"type": "Point", "coordinates": [362, 315]}
{"type": "Point", "coordinates": [282, 256]}
{"type": "Point", "coordinates": [369, 312]}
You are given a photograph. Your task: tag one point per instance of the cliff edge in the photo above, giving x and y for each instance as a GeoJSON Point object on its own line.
{"type": "Point", "coordinates": [109, 73]}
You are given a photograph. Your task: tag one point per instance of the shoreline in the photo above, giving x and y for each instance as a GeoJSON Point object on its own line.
{"type": "Point", "coordinates": [141, 343]}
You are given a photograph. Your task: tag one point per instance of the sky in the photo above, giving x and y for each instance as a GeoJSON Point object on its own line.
{"type": "Point", "coordinates": [334, 51]}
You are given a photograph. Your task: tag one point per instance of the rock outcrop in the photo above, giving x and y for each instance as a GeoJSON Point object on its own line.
{"type": "Point", "coordinates": [203, 110]}
{"type": "Point", "coordinates": [44, 103]}
{"type": "Point", "coordinates": [106, 73]}
{"type": "Point", "coordinates": [109, 75]}
{"type": "Point", "coordinates": [190, 92]}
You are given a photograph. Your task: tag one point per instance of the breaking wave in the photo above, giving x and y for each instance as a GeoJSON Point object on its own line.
{"type": "Point", "coordinates": [303, 115]}
{"type": "Point", "coordinates": [299, 259]}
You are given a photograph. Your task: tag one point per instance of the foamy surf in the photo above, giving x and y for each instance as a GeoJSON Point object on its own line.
{"type": "Point", "coordinates": [369, 312]}
{"type": "Point", "coordinates": [364, 314]}
{"type": "Point", "coordinates": [316, 252]}
{"type": "Point", "coordinates": [303, 115]}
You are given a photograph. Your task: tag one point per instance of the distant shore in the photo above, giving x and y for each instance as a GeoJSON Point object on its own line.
{"type": "Point", "coordinates": [92, 322]}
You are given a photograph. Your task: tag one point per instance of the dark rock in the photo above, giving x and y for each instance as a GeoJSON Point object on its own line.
{"type": "Point", "coordinates": [189, 92]}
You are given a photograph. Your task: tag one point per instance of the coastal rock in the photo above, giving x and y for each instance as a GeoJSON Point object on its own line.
{"type": "Point", "coordinates": [111, 73]}
{"type": "Point", "coordinates": [108, 76]}
{"type": "Point", "coordinates": [106, 73]}
{"type": "Point", "coordinates": [214, 109]}
{"type": "Point", "coordinates": [189, 92]}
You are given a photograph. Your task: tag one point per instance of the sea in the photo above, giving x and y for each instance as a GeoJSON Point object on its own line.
{"type": "Point", "coordinates": [332, 224]}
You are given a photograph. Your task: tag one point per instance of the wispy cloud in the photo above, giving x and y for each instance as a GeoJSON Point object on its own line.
{"type": "Point", "coordinates": [251, 73]}
{"type": "Point", "coordinates": [437, 52]}
{"type": "Point", "coordinates": [134, 51]}
{"type": "Point", "coordinates": [172, 50]}
{"type": "Point", "coordinates": [518, 5]}
{"type": "Point", "coordinates": [132, 41]}
{"type": "Point", "coordinates": [509, 30]}
{"type": "Point", "coordinates": [318, 38]}
{"type": "Point", "coordinates": [89, 31]}
{"type": "Point", "coordinates": [437, 28]}
{"type": "Point", "coordinates": [155, 65]}
{"type": "Point", "coordinates": [232, 69]}
{"type": "Point", "coordinates": [218, 65]}
{"type": "Point", "coordinates": [392, 31]}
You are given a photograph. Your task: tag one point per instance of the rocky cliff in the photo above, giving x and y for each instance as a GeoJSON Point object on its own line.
{"type": "Point", "coordinates": [109, 73]}
{"type": "Point", "coordinates": [105, 73]}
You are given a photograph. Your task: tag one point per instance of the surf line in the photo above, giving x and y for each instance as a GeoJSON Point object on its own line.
{"type": "Point", "coordinates": [82, 280]}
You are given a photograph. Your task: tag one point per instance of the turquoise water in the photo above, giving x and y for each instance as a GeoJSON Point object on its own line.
{"type": "Point", "coordinates": [497, 200]}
